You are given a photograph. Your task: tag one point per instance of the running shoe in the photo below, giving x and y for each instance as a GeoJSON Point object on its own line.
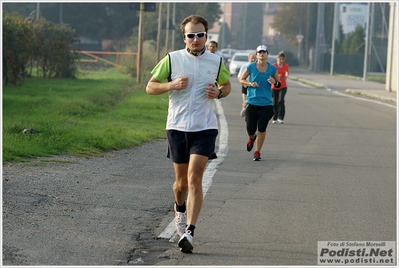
{"type": "Point", "coordinates": [274, 121]}
{"type": "Point", "coordinates": [281, 121]}
{"type": "Point", "coordinates": [180, 221]}
{"type": "Point", "coordinates": [186, 242]}
{"type": "Point", "coordinates": [250, 144]}
{"type": "Point", "coordinates": [256, 156]}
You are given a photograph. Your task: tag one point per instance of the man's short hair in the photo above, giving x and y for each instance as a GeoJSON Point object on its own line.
{"type": "Point", "coordinates": [214, 42]}
{"type": "Point", "coordinates": [194, 19]}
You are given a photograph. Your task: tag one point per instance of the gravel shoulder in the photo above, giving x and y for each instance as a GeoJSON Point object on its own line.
{"type": "Point", "coordinates": [107, 210]}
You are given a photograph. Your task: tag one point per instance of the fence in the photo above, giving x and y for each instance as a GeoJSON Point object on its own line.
{"type": "Point", "coordinates": [95, 58]}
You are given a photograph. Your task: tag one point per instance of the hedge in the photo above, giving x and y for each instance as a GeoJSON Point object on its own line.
{"type": "Point", "coordinates": [36, 44]}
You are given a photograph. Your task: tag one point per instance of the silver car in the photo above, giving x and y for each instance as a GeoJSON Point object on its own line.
{"type": "Point", "coordinates": [238, 59]}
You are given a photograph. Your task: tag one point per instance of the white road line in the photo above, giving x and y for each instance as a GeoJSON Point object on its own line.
{"type": "Point", "coordinates": [212, 166]}
{"type": "Point", "coordinates": [346, 95]}
{"type": "Point", "coordinates": [364, 99]}
{"type": "Point", "coordinates": [302, 84]}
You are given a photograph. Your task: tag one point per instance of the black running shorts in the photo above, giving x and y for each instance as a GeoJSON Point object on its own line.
{"type": "Point", "coordinates": [258, 117]}
{"type": "Point", "coordinates": [182, 144]}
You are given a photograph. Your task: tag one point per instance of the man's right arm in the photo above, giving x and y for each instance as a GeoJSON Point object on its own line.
{"type": "Point", "coordinates": [156, 87]}
{"type": "Point", "coordinates": [157, 84]}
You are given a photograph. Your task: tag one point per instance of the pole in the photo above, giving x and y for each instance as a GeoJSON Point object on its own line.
{"type": "Point", "coordinates": [140, 46]}
{"type": "Point", "coordinates": [366, 40]}
{"type": "Point", "coordinates": [37, 10]}
{"type": "Point", "coordinates": [159, 32]}
{"type": "Point", "coordinates": [223, 46]}
{"type": "Point", "coordinates": [316, 58]}
{"type": "Point", "coordinates": [371, 33]}
{"type": "Point", "coordinates": [60, 13]}
{"type": "Point", "coordinates": [299, 52]}
{"type": "Point", "coordinates": [300, 42]}
{"type": "Point", "coordinates": [320, 37]}
{"type": "Point", "coordinates": [244, 27]}
{"type": "Point", "coordinates": [391, 55]}
{"type": "Point", "coordinates": [223, 29]}
{"type": "Point", "coordinates": [334, 37]}
{"type": "Point", "coordinates": [307, 63]}
{"type": "Point", "coordinates": [174, 24]}
{"type": "Point", "coordinates": [167, 27]}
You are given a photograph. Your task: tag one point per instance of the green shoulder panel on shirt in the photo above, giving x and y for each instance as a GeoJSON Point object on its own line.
{"type": "Point", "coordinates": [162, 69]}
{"type": "Point", "coordinates": [224, 75]}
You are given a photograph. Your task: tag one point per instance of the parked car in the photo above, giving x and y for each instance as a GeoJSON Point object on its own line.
{"type": "Point", "coordinates": [238, 59]}
{"type": "Point", "coordinates": [228, 53]}
{"type": "Point", "coordinates": [272, 59]}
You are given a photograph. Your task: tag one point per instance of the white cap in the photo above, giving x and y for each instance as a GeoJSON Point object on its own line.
{"type": "Point", "coordinates": [261, 47]}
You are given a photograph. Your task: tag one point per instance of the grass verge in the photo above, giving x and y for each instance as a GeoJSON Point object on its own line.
{"type": "Point", "coordinates": [97, 112]}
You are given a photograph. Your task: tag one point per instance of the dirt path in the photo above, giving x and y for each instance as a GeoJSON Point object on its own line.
{"type": "Point", "coordinates": [87, 211]}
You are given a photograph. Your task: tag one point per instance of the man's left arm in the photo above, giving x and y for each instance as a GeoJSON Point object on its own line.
{"type": "Point", "coordinates": [223, 81]}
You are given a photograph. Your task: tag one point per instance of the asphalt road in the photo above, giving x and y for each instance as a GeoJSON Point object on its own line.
{"type": "Point", "coordinates": [328, 173]}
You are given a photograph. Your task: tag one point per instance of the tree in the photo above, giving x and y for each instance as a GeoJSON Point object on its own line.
{"type": "Point", "coordinates": [97, 21]}
{"type": "Point", "coordinates": [17, 48]}
{"type": "Point", "coordinates": [354, 42]}
{"type": "Point", "coordinates": [338, 43]}
{"type": "Point", "coordinates": [254, 35]}
{"type": "Point", "coordinates": [225, 38]}
{"type": "Point", "coordinates": [113, 20]}
{"type": "Point", "coordinates": [294, 18]}
{"type": "Point", "coordinates": [210, 11]}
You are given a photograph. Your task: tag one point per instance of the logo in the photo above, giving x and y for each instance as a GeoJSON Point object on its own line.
{"type": "Point", "coordinates": [358, 253]}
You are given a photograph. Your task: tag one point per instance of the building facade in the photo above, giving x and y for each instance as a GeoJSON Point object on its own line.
{"type": "Point", "coordinates": [232, 13]}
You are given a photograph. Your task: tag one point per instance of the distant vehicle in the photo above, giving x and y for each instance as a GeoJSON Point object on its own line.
{"type": "Point", "coordinates": [272, 59]}
{"type": "Point", "coordinates": [228, 53]}
{"type": "Point", "coordinates": [238, 59]}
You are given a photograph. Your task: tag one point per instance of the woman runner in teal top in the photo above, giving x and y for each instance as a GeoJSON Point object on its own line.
{"type": "Point", "coordinates": [259, 98]}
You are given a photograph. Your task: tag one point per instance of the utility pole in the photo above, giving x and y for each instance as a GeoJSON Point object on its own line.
{"type": "Point", "coordinates": [37, 10]}
{"type": "Point", "coordinates": [392, 53]}
{"type": "Point", "coordinates": [244, 27]}
{"type": "Point", "coordinates": [307, 63]}
{"type": "Point", "coordinates": [366, 40]}
{"type": "Point", "coordinates": [335, 22]}
{"type": "Point", "coordinates": [141, 7]}
{"type": "Point", "coordinates": [167, 27]}
{"type": "Point", "coordinates": [320, 37]}
{"type": "Point", "coordinates": [141, 38]}
{"type": "Point", "coordinates": [60, 13]}
{"type": "Point", "coordinates": [174, 28]}
{"type": "Point", "coordinates": [159, 32]}
{"type": "Point", "coordinates": [223, 28]}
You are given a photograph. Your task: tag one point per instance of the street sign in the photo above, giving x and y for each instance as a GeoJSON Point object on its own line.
{"type": "Point", "coordinates": [299, 38]}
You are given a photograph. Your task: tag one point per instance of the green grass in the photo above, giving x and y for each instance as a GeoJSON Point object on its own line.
{"type": "Point", "coordinates": [377, 78]}
{"type": "Point", "coordinates": [97, 112]}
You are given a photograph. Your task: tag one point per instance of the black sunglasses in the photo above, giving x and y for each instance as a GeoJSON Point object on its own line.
{"type": "Point", "coordinates": [264, 51]}
{"type": "Point", "coordinates": [192, 35]}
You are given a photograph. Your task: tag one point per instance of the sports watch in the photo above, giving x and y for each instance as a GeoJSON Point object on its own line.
{"type": "Point", "coordinates": [220, 94]}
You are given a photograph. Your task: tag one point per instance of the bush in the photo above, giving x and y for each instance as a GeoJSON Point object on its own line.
{"type": "Point", "coordinates": [36, 43]}
{"type": "Point", "coordinates": [52, 48]}
{"type": "Point", "coordinates": [17, 48]}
